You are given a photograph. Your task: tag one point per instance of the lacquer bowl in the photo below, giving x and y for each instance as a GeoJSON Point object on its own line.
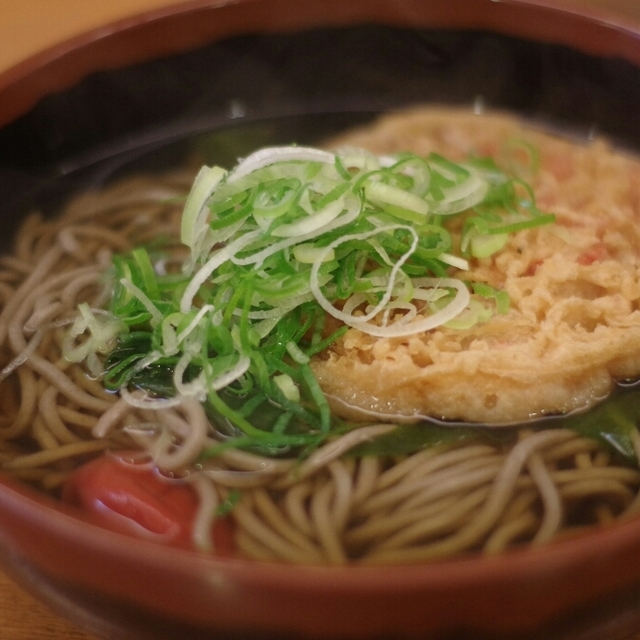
{"type": "Point", "coordinates": [148, 90]}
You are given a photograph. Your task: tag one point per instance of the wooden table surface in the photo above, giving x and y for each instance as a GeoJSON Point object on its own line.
{"type": "Point", "coordinates": [22, 617]}
{"type": "Point", "coordinates": [27, 27]}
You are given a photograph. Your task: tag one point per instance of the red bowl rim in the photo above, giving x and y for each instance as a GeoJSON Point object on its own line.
{"type": "Point", "coordinates": [603, 554]}
{"type": "Point", "coordinates": [598, 30]}
{"type": "Point", "coordinates": [549, 580]}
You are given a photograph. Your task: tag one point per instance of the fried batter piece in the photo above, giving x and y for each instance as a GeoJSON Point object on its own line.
{"type": "Point", "coordinates": [573, 326]}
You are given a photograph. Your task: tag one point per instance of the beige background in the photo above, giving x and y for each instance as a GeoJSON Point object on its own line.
{"type": "Point", "coordinates": [27, 27]}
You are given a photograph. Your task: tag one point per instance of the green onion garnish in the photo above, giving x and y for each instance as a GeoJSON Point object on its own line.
{"type": "Point", "coordinates": [291, 237]}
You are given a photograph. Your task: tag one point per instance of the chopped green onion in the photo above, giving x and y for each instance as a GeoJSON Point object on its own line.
{"type": "Point", "coordinates": [195, 208]}
{"type": "Point", "coordinates": [485, 246]}
{"type": "Point", "coordinates": [486, 291]}
{"type": "Point", "coordinates": [288, 387]}
{"type": "Point", "coordinates": [292, 237]}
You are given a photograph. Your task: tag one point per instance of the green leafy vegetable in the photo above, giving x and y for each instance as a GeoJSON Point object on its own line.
{"type": "Point", "coordinates": [611, 422]}
{"type": "Point", "coordinates": [408, 439]}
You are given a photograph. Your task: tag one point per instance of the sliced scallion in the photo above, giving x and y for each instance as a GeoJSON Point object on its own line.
{"type": "Point", "coordinates": [288, 251]}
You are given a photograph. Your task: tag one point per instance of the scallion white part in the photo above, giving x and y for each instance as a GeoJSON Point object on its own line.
{"type": "Point", "coordinates": [310, 224]}
{"type": "Point", "coordinates": [361, 322]}
{"type": "Point", "coordinates": [218, 258]}
{"type": "Point", "coordinates": [289, 388]}
{"type": "Point", "coordinates": [307, 253]}
{"type": "Point", "coordinates": [454, 261]}
{"type": "Point", "coordinates": [265, 157]}
{"type": "Point", "coordinates": [195, 210]}
{"type": "Point", "coordinates": [137, 292]}
{"type": "Point", "coordinates": [351, 214]}
{"type": "Point", "coordinates": [387, 194]}
{"type": "Point", "coordinates": [483, 246]}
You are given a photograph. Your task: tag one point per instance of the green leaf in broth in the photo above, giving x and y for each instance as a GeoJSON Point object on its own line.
{"type": "Point", "coordinates": [612, 422]}
{"type": "Point", "coordinates": [410, 438]}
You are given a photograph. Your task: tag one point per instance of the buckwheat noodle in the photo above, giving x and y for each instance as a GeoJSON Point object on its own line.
{"type": "Point", "coordinates": [330, 508]}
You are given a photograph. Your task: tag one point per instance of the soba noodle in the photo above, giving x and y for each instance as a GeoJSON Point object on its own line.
{"type": "Point", "coordinates": [332, 507]}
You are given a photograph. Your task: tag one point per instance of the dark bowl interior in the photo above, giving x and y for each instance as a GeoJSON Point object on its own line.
{"type": "Point", "coordinates": [217, 102]}
{"type": "Point", "coordinates": [247, 91]}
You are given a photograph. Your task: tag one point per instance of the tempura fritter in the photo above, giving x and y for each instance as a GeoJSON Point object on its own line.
{"type": "Point", "coordinates": [573, 326]}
